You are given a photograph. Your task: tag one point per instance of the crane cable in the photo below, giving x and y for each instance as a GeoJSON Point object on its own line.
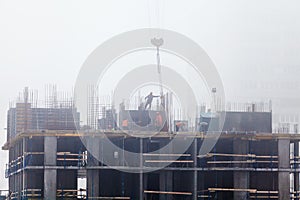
{"type": "Point", "coordinates": [159, 71]}
{"type": "Point", "coordinates": [158, 43]}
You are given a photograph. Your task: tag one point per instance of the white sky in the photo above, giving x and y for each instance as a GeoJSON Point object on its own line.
{"type": "Point", "coordinates": [254, 44]}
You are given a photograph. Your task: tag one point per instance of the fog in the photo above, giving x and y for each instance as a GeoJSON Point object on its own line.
{"type": "Point", "coordinates": [255, 45]}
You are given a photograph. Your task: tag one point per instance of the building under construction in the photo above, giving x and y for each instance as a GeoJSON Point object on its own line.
{"type": "Point", "coordinates": [49, 155]}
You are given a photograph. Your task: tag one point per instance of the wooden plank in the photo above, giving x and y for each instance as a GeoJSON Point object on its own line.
{"type": "Point", "coordinates": [33, 153]}
{"type": "Point", "coordinates": [63, 153]}
{"type": "Point", "coordinates": [68, 190]}
{"type": "Point", "coordinates": [266, 156]}
{"type": "Point", "coordinates": [240, 161]}
{"type": "Point", "coordinates": [204, 196]}
{"type": "Point", "coordinates": [267, 161]}
{"type": "Point", "coordinates": [264, 197]}
{"type": "Point", "coordinates": [111, 198]}
{"type": "Point", "coordinates": [169, 161]}
{"type": "Point", "coordinates": [229, 155]}
{"type": "Point", "coordinates": [70, 159]}
{"type": "Point", "coordinates": [268, 192]}
{"type": "Point", "coordinates": [171, 155]}
{"type": "Point", "coordinates": [32, 195]}
{"type": "Point", "coordinates": [231, 162]}
{"type": "Point", "coordinates": [32, 190]}
{"type": "Point", "coordinates": [232, 190]}
{"type": "Point", "coordinates": [167, 192]}
{"type": "Point", "coordinates": [238, 155]}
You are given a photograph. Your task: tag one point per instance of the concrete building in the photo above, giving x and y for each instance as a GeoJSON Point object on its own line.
{"type": "Point", "coordinates": [241, 166]}
{"type": "Point", "coordinates": [247, 162]}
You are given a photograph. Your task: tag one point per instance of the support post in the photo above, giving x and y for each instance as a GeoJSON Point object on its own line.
{"type": "Point", "coordinates": [195, 185]}
{"type": "Point", "coordinates": [240, 178]}
{"type": "Point", "coordinates": [24, 180]}
{"type": "Point", "coordinates": [93, 179]}
{"type": "Point", "coordinates": [141, 191]}
{"type": "Point", "coordinates": [296, 174]}
{"type": "Point", "coordinates": [166, 180]}
{"type": "Point", "coordinates": [50, 173]}
{"type": "Point", "coordinates": [284, 168]}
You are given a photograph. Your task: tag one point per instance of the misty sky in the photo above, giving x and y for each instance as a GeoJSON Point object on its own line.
{"type": "Point", "coordinates": [254, 44]}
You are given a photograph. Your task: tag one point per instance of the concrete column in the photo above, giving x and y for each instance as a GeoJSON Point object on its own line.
{"type": "Point", "coordinates": [50, 184]}
{"type": "Point", "coordinates": [296, 174]}
{"type": "Point", "coordinates": [19, 178]}
{"type": "Point", "coordinates": [145, 182]}
{"type": "Point", "coordinates": [24, 184]}
{"type": "Point", "coordinates": [141, 188]}
{"type": "Point", "coordinates": [284, 167]}
{"type": "Point", "coordinates": [166, 181]}
{"type": "Point", "coordinates": [166, 184]}
{"type": "Point", "coordinates": [50, 173]}
{"type": "Point", "coordinates": [240, 178]}
{"type": "Point", "coordinates": [195, 184]}
{"type": "Point", "coordinates": [93, 179]}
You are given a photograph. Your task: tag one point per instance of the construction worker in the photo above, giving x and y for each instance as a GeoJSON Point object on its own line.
{"type": "Point", "coordinates": [149, 100]}
{"type": "Point", "coordinates": [158, 121]}
{"type": "Point", "coordinates": [179, 126]}
{"type": "Point", "coordinates": [125, 124]}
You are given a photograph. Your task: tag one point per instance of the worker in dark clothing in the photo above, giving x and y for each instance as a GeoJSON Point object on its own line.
{"type": "Point", "coordinates": [149, 100]}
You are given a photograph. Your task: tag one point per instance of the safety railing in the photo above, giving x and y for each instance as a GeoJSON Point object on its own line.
{"type": "Point", "coordinates": [234, 160]}
{"type": "Point", "coordinates": [71, 159]}
{"type": "Point", "coordinates": [32, 194]}
{"type": "Point", "coordinates": [70, 194]}
{"type": "Point", "coordinates": [174, 160]}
